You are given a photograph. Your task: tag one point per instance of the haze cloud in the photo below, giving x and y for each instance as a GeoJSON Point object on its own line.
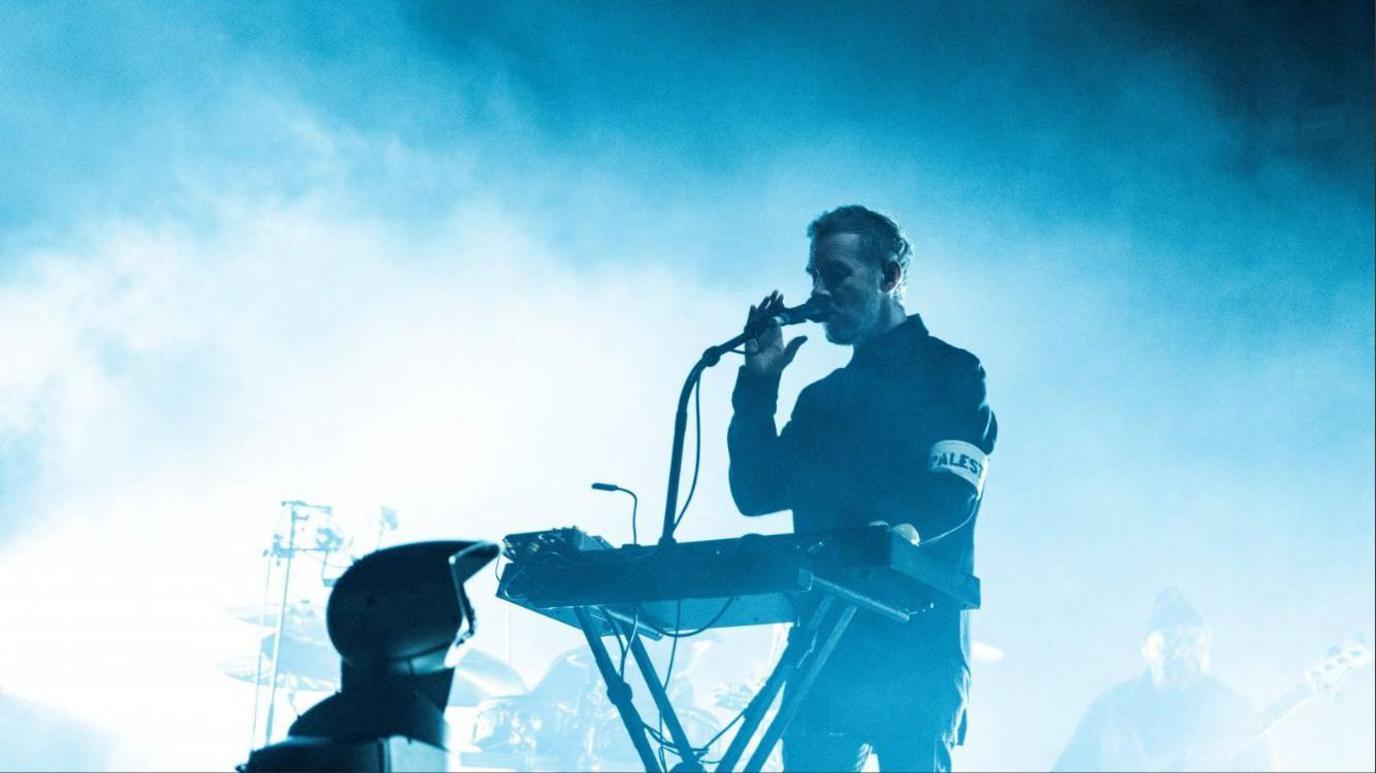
{"type": "Point", "coordinates": [458, 261]}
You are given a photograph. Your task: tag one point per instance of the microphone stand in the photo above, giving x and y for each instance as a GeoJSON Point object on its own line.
{"type": "Point", "coordinates": [709, 358]}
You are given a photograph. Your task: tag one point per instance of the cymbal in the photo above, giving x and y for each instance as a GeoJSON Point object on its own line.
{"type": "Point", "coordinates": [259, 614]}
{"type": "Point", "coordinates": [569, 675]}
{"type": "Point", "coordinates": [246, 669]}
{"type": "Point", "coordinates": [479, 676]}
{"type": "Point", "coordinates": [315, 662]}
{"type": "Point", "coordinates": [984, 652]}
{"type": "Point", "coordinates": [303, 621]}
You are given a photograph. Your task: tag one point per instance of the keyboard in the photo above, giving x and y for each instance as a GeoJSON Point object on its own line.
{"type": "Point", "coordinates": [749, 580]}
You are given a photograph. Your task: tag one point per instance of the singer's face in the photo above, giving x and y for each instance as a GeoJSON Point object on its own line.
{"type": "Point", "coordinates": [841, 275]}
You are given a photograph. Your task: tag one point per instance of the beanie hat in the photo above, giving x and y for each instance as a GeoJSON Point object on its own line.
{"type": "Point", "coordinates": [1171, 609]}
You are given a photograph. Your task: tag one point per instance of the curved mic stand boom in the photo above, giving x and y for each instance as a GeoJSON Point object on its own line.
{"type": "Point", "coordinates": [816, 309]}
{"type": "Point", "coordinates": [709, 358]}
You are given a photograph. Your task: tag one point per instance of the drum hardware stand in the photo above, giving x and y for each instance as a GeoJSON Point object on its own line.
{"type": "Point", "coordinates": [802, 658]}
{"type": "Point", "coordinates": [278, 552]}
{"type": "Point", "coordinates": [618, 691]}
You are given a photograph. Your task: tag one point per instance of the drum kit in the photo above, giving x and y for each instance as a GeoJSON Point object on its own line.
{"type": "Point", "coordinates": [564, 722]}
{"type": "Point", "coordinates": [309, 664]}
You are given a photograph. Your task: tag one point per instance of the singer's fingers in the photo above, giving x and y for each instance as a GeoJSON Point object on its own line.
{"type": "Point", "coordinates": [767, 306]}
{"type": "Point", "coordinates": [792, 348]}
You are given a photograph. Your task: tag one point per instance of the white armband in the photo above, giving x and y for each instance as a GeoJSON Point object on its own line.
{"type": "Point", "coordinates": [959, 458]}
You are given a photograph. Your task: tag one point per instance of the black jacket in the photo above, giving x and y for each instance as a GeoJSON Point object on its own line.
{"type": "Point", "coordinates": [856, 450]}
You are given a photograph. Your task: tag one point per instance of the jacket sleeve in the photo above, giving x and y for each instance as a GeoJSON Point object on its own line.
{"type": "Point", "coordinates": [963, 433]}
{"type": "Point", "coordinates": [758, 469]}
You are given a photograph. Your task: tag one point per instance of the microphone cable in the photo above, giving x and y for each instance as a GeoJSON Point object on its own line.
{"type": "Point", "coordinates": [697, 449]}
{"type": "Point", "coordinates": [970, 516]}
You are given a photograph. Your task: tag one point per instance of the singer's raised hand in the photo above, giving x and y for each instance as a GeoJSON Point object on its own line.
{"type": "Point", "coordinates": [767, 354]}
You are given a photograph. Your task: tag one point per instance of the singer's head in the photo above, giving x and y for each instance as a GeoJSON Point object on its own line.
{"type": "Point", "coordinates": [858, 261]}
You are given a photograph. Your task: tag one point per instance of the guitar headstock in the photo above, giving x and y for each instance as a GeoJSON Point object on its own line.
{"type": "Point", "coordinates": [1335, 665]}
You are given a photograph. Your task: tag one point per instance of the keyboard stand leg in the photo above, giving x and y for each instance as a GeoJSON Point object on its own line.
{"type": "Point", "coordinates": [617, 690]}
{"type": "Point", "coordinates": [666, 711]}
{"type": "Point", "coordinates": [790, 704]}
{"type": "Point", "coordinates": [800, 643]}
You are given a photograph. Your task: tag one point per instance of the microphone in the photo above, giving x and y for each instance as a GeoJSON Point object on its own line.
{"type": "Point", "coordinates": [816, 309]}
{"type": "Point", "coordinates": [635, 505]}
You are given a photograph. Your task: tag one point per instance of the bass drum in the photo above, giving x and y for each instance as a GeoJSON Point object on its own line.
{"type": "Point", "coordinates": [526, 732]}
{"type": "Point", "coordinates": [612, 749]}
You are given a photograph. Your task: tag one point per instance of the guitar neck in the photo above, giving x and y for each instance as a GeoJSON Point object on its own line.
{"type": "Point", "coordinates": [1325, 675]}
{"type": "Point", "coordinates": [1277, 711]}
{"type": "Point", "coordinates": [1267, 720]}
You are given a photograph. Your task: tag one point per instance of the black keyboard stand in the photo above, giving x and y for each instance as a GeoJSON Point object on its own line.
{"type": "Point", "coordinates": [617, 690]}
{"type": "Point", "coordinates": [810, 645]}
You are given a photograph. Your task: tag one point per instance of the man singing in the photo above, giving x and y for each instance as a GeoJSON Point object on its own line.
{"type": "Point", "coordinates": [901, 434]}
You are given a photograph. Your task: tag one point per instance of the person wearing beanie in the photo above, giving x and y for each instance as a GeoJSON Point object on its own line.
{"type": "Point", "coordinates": [1174, 716]}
